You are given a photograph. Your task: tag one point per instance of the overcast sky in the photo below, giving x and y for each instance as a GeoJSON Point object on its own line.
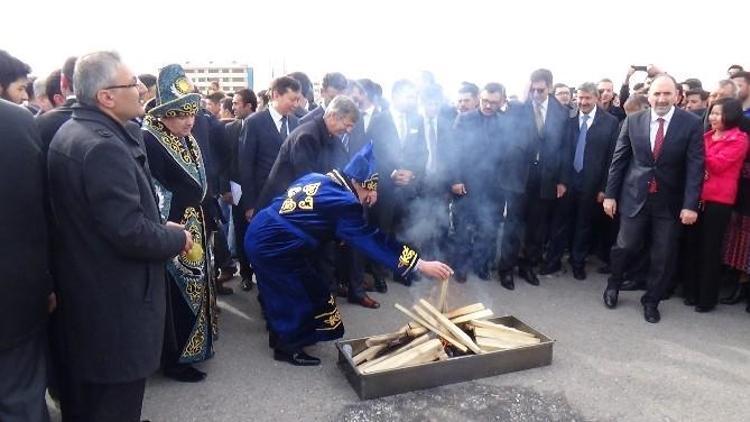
{"type": "Point", "coordinates": [386, 40]}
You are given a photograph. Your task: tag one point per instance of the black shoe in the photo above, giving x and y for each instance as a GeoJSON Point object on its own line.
{"type": "Point", "coordinates": [506, 280]}
{"type": "Point", "coordinates": [406, 281]}
{"type": "Point", "coordinates": [484, 274]}
{"type": "Point", "coordinates": [704, 309]}
{"type": "Point", "coordinates": [579, 273]}
{"type": "Point", "coordinates": [651, 314]}
{"type": "Point", "coordinates": [610, 298]}
{"type": "Point", "coordinates": [738, 295]}
{"type": "Point", "coordinates": [689, 301]}
{"type": "Point", "coordinates": [184, 373]}
{"type": "Point", "coordinates": [604, 269]}
{"type": "Point", "coordinates": [380, 285]}
{"type": "Point", "coordinates": [550, 269]}
{"type": "Point", "coordinates": [342, 291]}
{"type": "Point", "coordinates": [527, 273]}
{"type": "Point", "coordinates": [246, 284]}
{"type": "Point", "coordinates": [298, 358]}
{"type": "Point", "coordinates": [460, 277]}
{"type": "Point", "coordinates": [631, 285]}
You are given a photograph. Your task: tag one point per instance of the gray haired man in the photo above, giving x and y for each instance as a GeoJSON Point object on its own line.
{"type": "Point", "coordinates": [112, 246]}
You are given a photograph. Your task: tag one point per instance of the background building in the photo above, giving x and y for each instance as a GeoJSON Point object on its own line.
{"type": "Point", "coordinates": [231, 76]}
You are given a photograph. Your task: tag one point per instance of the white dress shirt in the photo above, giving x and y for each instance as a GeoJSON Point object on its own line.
{"type": "Point", "coordinates": [591, 115]}
{"type": "Point", "coordinates": [655, 125]}
{"type": "Point", "coordinates": [276, 116]}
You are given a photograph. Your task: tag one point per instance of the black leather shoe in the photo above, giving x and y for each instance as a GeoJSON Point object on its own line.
{"type": "Point", "coordinates": [460, 277]}
{"type": "Point", "coordinates": [579, 273]}
{"type": "Point", "coordinates": [484, 274]}
{"type": "Point", "coordinates": [299, 358]}
{"type": "Point", "coordinates": [506, 280]}
{"type": "Point", "coordinates": [738, 295]}
{"type": "Point", "coordinates": [380, 285]}
{"type": "Point", "coordinates": [651, 314]}
{"type": "Point", "coordinates": [246, 284]}
{"type": "Point", "coordinates": [550, 269]}
{"type": "Point", "coordinates": [610, 298]}
{"type": "Point", "coordinates": [406, 281]}
{"type": "Point", "coordinates": [527, 274]}
{"type": "Point", "coordinates": [689, 301]}
{"type": "Point", "coordinates": [184, 373]}
{"type": "Point", "coordinates": [704, 309]}
{"type": "Point", "coordinates": [631, 285]}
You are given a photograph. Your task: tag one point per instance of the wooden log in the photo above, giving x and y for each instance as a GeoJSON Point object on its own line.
{"type": "Point", "coordinates": [484, 313]}
{"type": "Point", "coordinates": [412, 344]}
{"type": "Point", "coordinates": [386, 338]}
{"type": "Point", "coordinates": [496, 326]}
{"type": "Point", "coordinates": [476, 307]}
{"type": "Point", "coordinates": [429, 349]}
{"type": "Point", "coordinates": [441, 305]}
{"type": "Point", "coordinates": [368, 353]}
{"type": "Point", "coordinates": [431, 320]}
{"type": "Point", "coordinates": [486, 342]}
{"type": "Point", "coordinates": [505, 336]}
{"type": "Point", "coordinates": [460, 335]}
{"type": "Point", "coordinates": [430, 327]}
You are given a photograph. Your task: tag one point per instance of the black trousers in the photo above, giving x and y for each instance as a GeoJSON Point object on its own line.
{"type": "Point", "coordinates": [573, 226]}
{"type": "Point", "coordinates": [240, 227]}
{"type": "Point", "coordinates": [703, 253]}
{"type": "Point", "coordinates": [476, 219]}
{"type": "Point", "coordinates": [121, 402]}
{"type": "Point", "coordinates": [656, 220]}
{"type": "Point", "coordinates": [23, 381]}
{"type": "Point", "coordinates": [513, 226]}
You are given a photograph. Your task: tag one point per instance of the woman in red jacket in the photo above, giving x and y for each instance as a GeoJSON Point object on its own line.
{"type": "Point", "coordinates": [726, 146]}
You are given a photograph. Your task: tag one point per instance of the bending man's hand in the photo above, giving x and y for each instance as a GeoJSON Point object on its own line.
{"type": "Point", "coordinates": [434, 269]}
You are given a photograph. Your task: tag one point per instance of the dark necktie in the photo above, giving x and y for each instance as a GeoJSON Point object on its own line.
{"type": "Point", "coordinates": [284, 130]}
{"type": "Point", "coordinates": [658, 144]}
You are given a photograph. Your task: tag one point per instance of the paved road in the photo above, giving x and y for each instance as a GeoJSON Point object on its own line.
{"type": "Point", "coordinates": [607, 365]}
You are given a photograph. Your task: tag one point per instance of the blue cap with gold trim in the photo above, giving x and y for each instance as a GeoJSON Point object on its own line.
{"type": "Point", "coordinates": [174, 93]}
{"type": "Point", "coordinates": [362, 168]}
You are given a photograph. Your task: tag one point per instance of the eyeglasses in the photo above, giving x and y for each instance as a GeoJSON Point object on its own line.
{"type": "Point", "coordinates": [538, 90]}
{"type": "Point", "coordinates": [134, 84]}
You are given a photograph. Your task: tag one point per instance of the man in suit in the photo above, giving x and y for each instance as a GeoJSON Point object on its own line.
{"type": "Point", "coordinates": [25, 284]}
{"type": "Point", "coordinates": [51, 121]}
{"type": "Point", "coordinates": [244, 103]}
{"type": "Point", "coordinates": [654, 183]}
{"type": "Point", "coordinates": [260, 140]}
{"type": "Point", "coordinates": [13, 78]}
{"type": "Point", "coordinates": [696, 102]}
{"type": "Point", "coordinates": [401, 158]}
{"type": "Point", "coordinates": [111, 245]}
{"type": "Point", "coordinates": [535, 165]}
{"type": "Point", "coordinates": [607, 97]}
{"type": "Point", "coordinates": [477, 150]}
{"type": "Point", "coordinates": [334, 84]}
{"type": "Point", "coordinates": [589, 142]}
{"type": "Point", "coordinates": [313, 147]}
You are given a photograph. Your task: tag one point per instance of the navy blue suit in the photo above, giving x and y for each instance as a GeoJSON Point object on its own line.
{"type": "Point", "coordinates": [259, 146]}
{"type": "Point", "coordinates": [578, 209]}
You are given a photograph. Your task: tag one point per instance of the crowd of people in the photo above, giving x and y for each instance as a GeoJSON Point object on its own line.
{"type": "Point", "coordinates": [131, 200]}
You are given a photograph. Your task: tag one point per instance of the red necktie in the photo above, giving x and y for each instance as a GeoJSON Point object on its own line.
{"type": "Point", "coordinates": [658, 144]}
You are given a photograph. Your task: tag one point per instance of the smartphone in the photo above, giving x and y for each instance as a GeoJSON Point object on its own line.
{"type": "Point", "coordinates": [639, 68]}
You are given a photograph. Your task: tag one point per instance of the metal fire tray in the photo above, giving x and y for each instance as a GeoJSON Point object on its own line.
{"type": "Point", "coordinates": [453, 370]}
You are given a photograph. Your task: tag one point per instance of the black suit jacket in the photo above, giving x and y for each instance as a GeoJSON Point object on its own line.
{"type": "Point", "coordinates": [477, 152]}
{"type": "Point", "coordinates": [233, 132]}
{"type": "Point", "coordinates": [601, 138]}
{"type": "Point", "coordinates": [259, 147]}
{"type": "Point", "coordinates": [25, 282]}
{"type": "Point", "coordinates": [110, 260]}
{"type": "Point", "coordinates": [309, 149]}
{"type": "Point", "coordinates": [679, 171]}
{"type": "Point", "coordinates": [549, 145]}
{"type": "Point", "coordinates": [49, 122]}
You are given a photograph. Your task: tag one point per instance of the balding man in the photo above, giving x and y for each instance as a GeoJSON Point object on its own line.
{"type": "Point", "coordinates": [654, 182]}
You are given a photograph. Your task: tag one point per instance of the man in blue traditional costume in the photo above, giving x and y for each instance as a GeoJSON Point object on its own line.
{"type": "Point", "coordinates": [281, 242]}
{"type": "Point", "coordinates": [179, 173]}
